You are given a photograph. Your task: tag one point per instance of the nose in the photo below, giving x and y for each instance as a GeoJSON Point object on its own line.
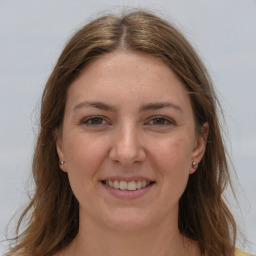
{"type": "Point", "coordinates": [127, 148]}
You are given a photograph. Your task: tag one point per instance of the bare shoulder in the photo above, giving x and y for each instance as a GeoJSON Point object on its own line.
{"type": "Point", "coordinates": [192, 247]}
{"type": "Point", "coordinates": [58, 254]}
{"type": "Point", "coordinates": [22, 254]}
{"type": "Point", "coordinates": [242, 253]}
{"type": "Point", "coordinates": [13, 254]}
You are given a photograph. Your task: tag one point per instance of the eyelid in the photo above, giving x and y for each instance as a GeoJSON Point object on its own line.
{"type": "Point", "coordinates": [85, 120]}
{"type": "Point", "coordinates": [169, 121]}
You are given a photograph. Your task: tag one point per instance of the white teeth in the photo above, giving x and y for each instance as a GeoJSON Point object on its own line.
{"type": "Point", "coordinates": [143, 184]}
{"type": "Point", "coordinates": [138, 185]}
{"type": "Point", "coordinates": [131, 185]}
{"type": "Point", "coordinates": [124, 185]}
{"type": "Point", "coordinates": [116, 184]}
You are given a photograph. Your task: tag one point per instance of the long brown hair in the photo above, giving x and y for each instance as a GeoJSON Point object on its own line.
{"type": "Point", "coordinates": [52, 215]}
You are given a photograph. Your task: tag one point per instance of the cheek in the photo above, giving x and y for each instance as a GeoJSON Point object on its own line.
{"type": "Point", "coordinates": [173, 162]}
{"type": "Point", "coordinates": [84, 156]}
{"type": "Point", "coordinates": [175, 154]}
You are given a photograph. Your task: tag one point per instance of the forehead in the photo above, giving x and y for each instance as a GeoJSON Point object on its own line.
{"type": "Point", "coordinates": [123, 77]}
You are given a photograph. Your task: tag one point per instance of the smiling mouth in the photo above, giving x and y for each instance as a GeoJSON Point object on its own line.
{"type": "Point", "coordinates": [130, 185]}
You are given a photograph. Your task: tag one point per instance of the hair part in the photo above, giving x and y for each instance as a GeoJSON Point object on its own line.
{"type": "Point", "coordinates": [53, 211]}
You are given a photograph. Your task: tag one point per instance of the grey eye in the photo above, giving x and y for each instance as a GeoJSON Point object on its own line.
{"type": "Point", "coordinates": [160, 121]}
{"type": "Point", "coordinates": [95, 121]}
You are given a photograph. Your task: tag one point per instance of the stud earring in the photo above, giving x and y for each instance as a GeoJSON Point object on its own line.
{"type": "Point", "coordinates": [194, 165]}
{"type": "Point", "coordinates": [61, 162]}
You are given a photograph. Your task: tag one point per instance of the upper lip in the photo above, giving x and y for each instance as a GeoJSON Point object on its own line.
{"type": "Point", "coordinates": [127, 179]}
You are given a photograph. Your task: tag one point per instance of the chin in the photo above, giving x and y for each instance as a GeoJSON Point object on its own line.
{"type": "Point", "coordinates": [128, 220]}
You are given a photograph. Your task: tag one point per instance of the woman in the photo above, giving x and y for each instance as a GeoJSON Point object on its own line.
{"type": "Point", "coordinates": [129, 157]}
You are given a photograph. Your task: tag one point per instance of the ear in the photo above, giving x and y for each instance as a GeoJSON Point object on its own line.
{"type": "Point", "coordinates": [59, 147]}
{"type": "Point", "coordinates": [200, 146]}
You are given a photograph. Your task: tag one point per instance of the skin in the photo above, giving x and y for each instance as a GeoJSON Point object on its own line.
{"type": "Point", "coordinates": [128, 139]}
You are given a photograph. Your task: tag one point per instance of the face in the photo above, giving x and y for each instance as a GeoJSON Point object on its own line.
{"type": "Point", "coordinates": [128, 141]}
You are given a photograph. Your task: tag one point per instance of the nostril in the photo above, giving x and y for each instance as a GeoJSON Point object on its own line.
{"type": "Point", "coordinates": [127, 152]}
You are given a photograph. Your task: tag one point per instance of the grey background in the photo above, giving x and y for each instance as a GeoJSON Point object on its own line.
{"type": "Point", "coordinates": [33, 33]}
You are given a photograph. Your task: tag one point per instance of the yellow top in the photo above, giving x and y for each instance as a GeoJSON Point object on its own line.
{"type": "Point", "coordinates": [242, 253]}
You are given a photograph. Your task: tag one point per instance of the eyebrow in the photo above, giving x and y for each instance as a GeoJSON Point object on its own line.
{"type": "Point", "coordinates": [95, 104]}
{"type": "Point", "coordinates": [143, 108]}
{"type": "Point", "coordinates": [160, 105]}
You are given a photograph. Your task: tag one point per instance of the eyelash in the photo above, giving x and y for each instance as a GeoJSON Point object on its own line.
{"type": "Point", "coordinates": [166, 121]}
{"type": "Point", "coordinates": [152, 121]}
{"type": "Point", "coordinates": [89, 121]}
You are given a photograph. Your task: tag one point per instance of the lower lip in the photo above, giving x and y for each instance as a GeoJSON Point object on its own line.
{"type": "Point", "coordinates": [128, 194]}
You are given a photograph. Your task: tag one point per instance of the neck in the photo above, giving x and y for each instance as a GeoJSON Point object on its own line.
{"type": "Point", "coordinates": [161, 240]}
